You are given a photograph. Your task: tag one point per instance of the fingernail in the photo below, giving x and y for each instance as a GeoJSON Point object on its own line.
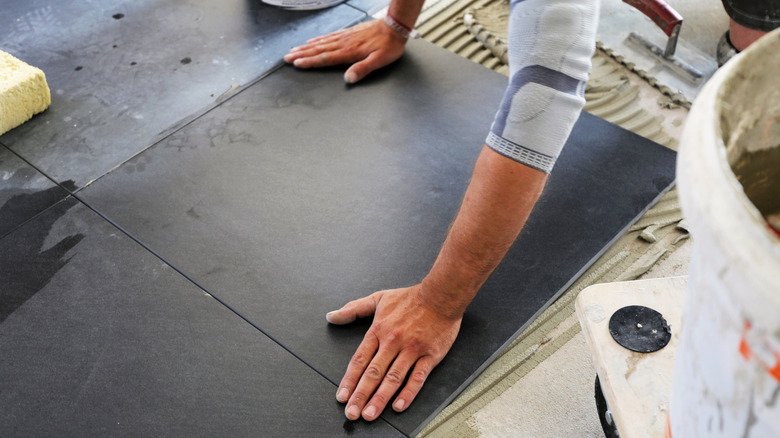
{"type": "Point", "coordinates": [350, 77]}
{"type": "Point", "coordinates": [370, 412]}
{"type": "Point", "coordinates": [353, 412]}
{"type": "Point", "coordinates": [287, 58]}
{"type": "Point", "coordinates": [329, 317]}
{"type": "Point", "coordinates": [298, 62]}
{"type": "Point", "coordinates": [398, 405]}
{"type": "Point", "coordinates": [343, 395]}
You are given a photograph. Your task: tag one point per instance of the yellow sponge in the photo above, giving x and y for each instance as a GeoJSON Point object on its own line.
{"type": "Point", "coordinates": [23, 92]}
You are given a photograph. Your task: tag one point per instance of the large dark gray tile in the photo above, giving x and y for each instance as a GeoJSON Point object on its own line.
{"type": "Point", "coordinates": [24, 192]}
{"type": "Point", "coordinates": [300, 194]}
{"type": "Point", "coordinates": [111, 341]}
{"type": "Point", "coordinates": [123, 73]}
{"type": "Point", "coordinates": [370, 7]}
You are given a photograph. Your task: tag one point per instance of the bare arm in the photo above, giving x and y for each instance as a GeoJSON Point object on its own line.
{"type": "Point", "coordinates": [367, 46]}
{"type": "Point", "coordinates": [497, 203]}
{"type": "Point", "coordinates": [414, 328]}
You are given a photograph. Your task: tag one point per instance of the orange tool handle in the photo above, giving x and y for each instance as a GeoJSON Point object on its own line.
{"type": "Point", "coordinates": [661, 13]}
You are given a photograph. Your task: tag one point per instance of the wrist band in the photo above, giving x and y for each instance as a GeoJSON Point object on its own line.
{"type": "Point", "coordinates": [399, 28]}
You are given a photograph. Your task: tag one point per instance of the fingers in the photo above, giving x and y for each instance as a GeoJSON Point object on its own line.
{"type": "Point", "coordinates": [311, 50]}
{"type": "Point", "coordinates": [405, 342]}
{"type": "Point", "coordinates": [422, 369]}
{"type": "Point", "coordinates": [368, 46]}
{"type": "Point", "coordinates": [361, 69]}
{"type": "Point", "coordinates": [372, 376]}
{"type": "Point", "coordinates": [324, 47]}
{"type": "Point", "coordinates": [324, 58]}
{"type": "Point", "coordinates": [311, 56]}
{"type": "Point", "coordinates": [380, 380]}
{"type": "Point", "coordinates": [357, 365]}
{"type": "Point", "coordinates": [353, 310]}
{"type": "Point", "coordinates": [389, 385]}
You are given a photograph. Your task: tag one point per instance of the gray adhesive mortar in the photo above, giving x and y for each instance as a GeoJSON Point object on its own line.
{"type": "Point", "coordinates": [753, 144]}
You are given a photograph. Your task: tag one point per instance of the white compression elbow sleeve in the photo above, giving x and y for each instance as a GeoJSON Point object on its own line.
{"type": "Point", "coordinates": [550, 46]}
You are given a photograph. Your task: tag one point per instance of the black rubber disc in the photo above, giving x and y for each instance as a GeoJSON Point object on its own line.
{"type": "Point", "coordinates": [639, 329]}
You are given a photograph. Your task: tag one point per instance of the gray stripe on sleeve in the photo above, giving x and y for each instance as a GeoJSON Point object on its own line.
{"type": "Point", "coordinates": [533, 74]}
{"type": "Point", "coordinates": [521, 154]}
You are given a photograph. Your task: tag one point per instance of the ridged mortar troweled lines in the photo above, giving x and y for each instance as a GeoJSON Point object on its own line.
{"type": "Point", "coordinates": [676, 97]}
{"type": "Point", "coordinates": [490, 40]}
{"type": "Point", "coordinates": [442, 24]}
{"type": "Point", "coordinates": [609, 94]}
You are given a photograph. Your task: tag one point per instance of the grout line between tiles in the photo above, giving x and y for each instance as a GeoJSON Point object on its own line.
{"type": "Point", "coordinates": [65, 189]}
{"type": "Point", "coordinates": [164, 134]}
{"type": "Point", "coordinates": [368, 14]}
{"type": "Point", "coordinates": [2, 236]}
{"type": "Point", "coordinates": [186, 121]}
{"type": "Point", "coordinates": [356, 8]}
{"type": "Point", "coordinates": [195, 282]}
{"type": "Point", "coordinates": [215, 297]}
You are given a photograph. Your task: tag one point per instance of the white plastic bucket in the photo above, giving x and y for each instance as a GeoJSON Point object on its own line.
{"type": "Point", "coordinates": [727, 369]}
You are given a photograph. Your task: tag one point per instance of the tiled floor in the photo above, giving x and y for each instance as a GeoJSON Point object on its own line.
{"type": "Point", "coordinates": [124, 74]}
{"type": "Point", "coordinates": [108, 340]}
{"type": "Point", "coordinates": [283, 199]}
{"type": "Point", "coordinates": [24, 192]}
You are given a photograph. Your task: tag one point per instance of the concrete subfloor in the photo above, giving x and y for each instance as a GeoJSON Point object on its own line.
{"type": "Point", "coordinates": [556, 398]}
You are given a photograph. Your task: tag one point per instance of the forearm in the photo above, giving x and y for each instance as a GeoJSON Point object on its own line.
{"type": "Point", "coordinates": [551, 42]}
{"type": "Point", "coordinates": [405, 11]}
{"type": "Point", "coordinates": [497, 203]}
{"type": "Point", "coordinates": [413, 328]}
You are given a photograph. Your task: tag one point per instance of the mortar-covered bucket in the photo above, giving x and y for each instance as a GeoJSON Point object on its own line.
{"type": "Point", "coordinates": [727, 369]}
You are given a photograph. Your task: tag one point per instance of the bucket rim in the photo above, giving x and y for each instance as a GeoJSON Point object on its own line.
{"type": "Point", "coordinates": [711, 197]}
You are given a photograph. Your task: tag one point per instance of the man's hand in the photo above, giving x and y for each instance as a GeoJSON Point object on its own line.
{"type": "Point", "coordinates": [408, 335]}
{"type": "Point", "coordinates": [367, 46]}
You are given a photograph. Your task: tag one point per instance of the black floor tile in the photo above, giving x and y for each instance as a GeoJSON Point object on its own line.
{"type": "Point", "coordinates": [98, 337]}
{"type": "Point", "coordinates": [122, 73]}
{"type": "Point", "coordinates": [24, 192]}
{"type": "Point", "coordinates": [301, 194]}
{"type": "Point", "coordinates": [370, 7]}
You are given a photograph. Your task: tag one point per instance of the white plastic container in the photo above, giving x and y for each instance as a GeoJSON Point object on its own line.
{"type": "Point", "coordinates": [303, 5]}
{"type": "Point", "coordinates": [727, 369]}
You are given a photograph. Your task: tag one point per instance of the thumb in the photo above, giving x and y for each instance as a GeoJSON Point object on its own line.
{"type": "Point", "coordinates": [359, 70]}
{"type": "Point", "coordinates": [354, 309]}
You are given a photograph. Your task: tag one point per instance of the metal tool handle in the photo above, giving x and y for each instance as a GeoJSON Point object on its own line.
{"type": "Point", "coordinates": [665, 17]}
